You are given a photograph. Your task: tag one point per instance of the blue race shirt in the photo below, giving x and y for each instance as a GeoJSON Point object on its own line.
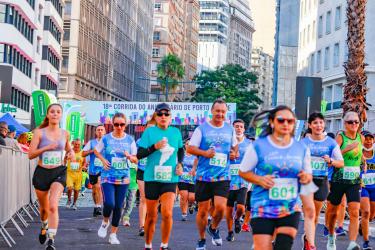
{"type": "Point", "coordinates": [318, 149]}
{"type": "Point", "coordinates": [368, 178]}
{"type": "Point", "coordinates": [96, 165]}
{"type": "Point", "coordinates": [142, 163]}
{"type": "Point", "coordinates": [236, 181]}
{"type": "Point", "coordinates": [188, 166]}
{"type": "Point", "coordinates": [216, 168]}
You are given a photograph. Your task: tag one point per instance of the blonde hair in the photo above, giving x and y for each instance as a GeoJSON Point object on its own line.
{"type": "Point", "coordinates": [45, 122]}
{"type": "Point", "coordinates": [22, 138]}
{"type": "Point", "coordinates": [350, 114]}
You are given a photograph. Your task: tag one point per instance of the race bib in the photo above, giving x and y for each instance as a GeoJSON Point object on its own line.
{"type": "Point", "coordinates": [351, 173]}
{"type": "Point", "coordinates": [119, 163]}
{"type": "Point", "coordinates": [219, 160]}
{"type": "Point", "coordinates": [368, 179]}
{"type": "Point", "coordinates": [143, 162]}
{"type": "Point", "coordinates": [98, 162]}
{"type": "Point", "coordinates": [318, 164]}
{"type": "Point", "coordinates": [187, 177]}
{"type": "Point", "coordinates": [74, 166]}
{"type": "Point", "coordinates": [284, 189]}
{"type": "Point", "coordinates": [234, 168]}
{"type": "Point", "coordinates": [52, 158]}
{"type": "Point", "coordinates": [132, 165]}
{"type": "Point", "coordinates": [163, 173]}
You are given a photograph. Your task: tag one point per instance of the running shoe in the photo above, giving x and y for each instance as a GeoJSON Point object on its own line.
{"type": "Point", "coordinates": [325, 231]}
{"type": "Point", "coordinates": [245, 228]}
{"type": "Point", "coordinates": [102, 232]}
{"type": "Point", "coordinates": [201, 245]}
{"type": "Point", "coordinates": [306, 244]}
{"type": "Point", "coordinates": [125, 221]}
{"type": "Point", "coordinates": [68, 204]}
{"type": "Point", "coordinates": [237, 226]}
{"type": "Point", "coordinates": [366, 245]}
{"type": "Point", "coordinates": [331, 243]}
{"type": "Point", "coordinates": [184, 217]}
{"type": "Point", "coordinates": [230, 236]}
{"type": "Point", "coordinates": [147, 248]}
{"type": "Point", "coordinates": [353, 246]}
{"type": "Point", "coordinates": [74, 206]}
{"type": "Point", "coordinates": [141, 231]}
{"type": "Point", "coordinates": [340, 231]}
{"type": "Point", "coordinates": [113, 239]}
{"type": "Point", "coordinates": [50, 244]}
{"type": "Point", "coordinates": [164, 248]}
{"type": "Point", "coordinates": [94, 214]}
{"type": "Point", "coordinates": [98, 211]}
{"type": "Point", "coordinates": [43, 236]}
{"type": "Point", "coordinates": [191, 209]}
{"type": "Point", "coordinates": [215, 234]}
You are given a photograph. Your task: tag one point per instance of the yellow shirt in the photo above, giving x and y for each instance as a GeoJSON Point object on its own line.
{"type": "Point", "coordinates": [77, 165]}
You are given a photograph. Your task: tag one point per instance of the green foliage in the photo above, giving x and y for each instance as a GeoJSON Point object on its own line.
{"type": "Point", "coordinates": [231, 83]}
{"type": "Point", "coordinates": [170, 67]}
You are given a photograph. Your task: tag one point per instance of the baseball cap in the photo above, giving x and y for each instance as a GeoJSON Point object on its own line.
{"type": "Point", "coordinates": [11, 128]}
{"type": "Point", "coordinates": [367, 133]}
{"type": "Point", "coordinates": [162, 106]}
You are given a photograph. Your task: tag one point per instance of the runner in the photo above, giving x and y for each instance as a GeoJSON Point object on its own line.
{"type": "Point", "coordinates": [95, 168]}
{"type": "Point", "coordinates": [324, 153]}
{"type": "Point", "coordinates": [368, 191]}
{"type": "Point", "coordinates": [163, 147]}
{"type": "Point", "coordinates": [130, 196]}
{"type": "Point", "coordinates": [141, 184]}
{"type": "Point", "coordinates": [186, 184]}
{"type": "Point", "coordinates": [115, 150]}
{"type": "Point", "coordinates": [238, 186]}
{"type": "Point", "coordinates": [347, 180]}
{"type": "Point", "coordinates": [246, 221]}
{"type": "Point", "coordinates": [74, 174]}
{"type": "Point", "coordinates": [48, 144]}
{"type": "Point", "coordinates": [212, 142]}
{"type": "Point", "coordinates": [275, 164]}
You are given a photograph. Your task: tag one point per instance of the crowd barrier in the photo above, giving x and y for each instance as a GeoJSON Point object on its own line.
{"type": "Point", "coordinates": [18, 201]}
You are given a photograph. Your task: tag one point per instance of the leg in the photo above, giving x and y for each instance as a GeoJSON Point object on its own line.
{"type": "Point", "coordinates": [120, 193]}
{"type": "Point", "coordinates": [318, 207]}
{"type": "Point", "coordinates": [69, 193]}
{"type": "Point", "coordinates": [240, 211]}
{"type": "Point", "coordinates": [167, 201]}
{"type": "Point", "coordinates": [108, 200]}
{"type": "Point", "coordinates": [201, 218]}
{"type": "Point", "coordinates": [191, 197]}
{"type": "Point", "coordinates": [341, 212]}
{"type": "Point", "coordinates": [151, 219]}
{"type": "Point", "coordinates": [130, 201]}
{"type": "Point", "coordinates": [229, 217]}
{"type": "Point", "coordinates": [219, 205]}
{"type": "Point", "coordinates": [353, 208]}
{"type": "Point", "coordinates": [76, 193]}
{"type": "Point", "coordinates": [43, 204]}
{"type": "Point", "coordinates": [262, 242]}
{"type": "Point", "coordinates": [184, 201]}
{"type": "Point", "coordinates": [142, 203]}
{"type": "Point", "coordinates": [331, 216]}
{"type": "Point", "coordinates": [56, 191]}
{"type": "Point", "coordinates": [365, 217]}
{"type": "Point", "coordinates": [309, 213]}
{"type": "Point", "coordinates": [284, 238]}
{"type": "Point", "coordinates": [372, 210]}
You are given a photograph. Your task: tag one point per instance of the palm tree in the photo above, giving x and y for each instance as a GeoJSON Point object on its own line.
{"type": "Point", "coordinates": [355, 89]}
{"type": "Point", "coordinates": [170, 70]}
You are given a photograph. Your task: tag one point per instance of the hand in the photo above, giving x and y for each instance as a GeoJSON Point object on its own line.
{"type": "Point", "coordinates": [179, 169]}
{"type": "Point", "coordinates": [160, 144]}
{"type": "Point", "coordinates": [232, 155]}
{"type": "Point", "coordinates": [266, 181]}
{"type": "Point", "coordinates": [71, 156]}
{"type": "Point", "coordinates": [351, 146]}
{"type": "Point", "coordinates": [365, 167]}
{"type": "Point", "coordinates": [106, 164]}
{"type": "Point", "coordinates": [210, 153]}
{"type": "Point", "coordinates": [127, 155]}
{"type": "Point", "coordinates": [192, 172]}
{"type": "Point", "coordinates": [304, 178]}
{"type": "Point", "coordinates": [327, 158]}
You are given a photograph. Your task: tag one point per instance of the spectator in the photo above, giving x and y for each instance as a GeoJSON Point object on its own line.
{"type": "Point", "coordinates": [23, 142]}
{"type": "Point", "coordinates": [12, 131]}
{"type": "Point", "coordinates": [10, 141]}
{"type": "Point", "coordinates": [3, 132]}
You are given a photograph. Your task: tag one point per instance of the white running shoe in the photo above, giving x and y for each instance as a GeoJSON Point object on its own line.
{"type": "Point", "coordinates": [113, 239]}
{"type": "Point", "coordinates": [331, 243]}
{"type": "Point", "coordinates": [102, 232]}
{"type": "Point", "coordinates": [126, 222]}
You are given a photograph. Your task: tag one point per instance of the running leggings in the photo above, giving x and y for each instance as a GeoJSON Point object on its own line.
{"type": "Point", "coordinates": [113, 200]}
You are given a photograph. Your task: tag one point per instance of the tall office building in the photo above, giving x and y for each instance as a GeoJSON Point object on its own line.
{"type": "Point", "coordinates": [30, 51]}
{"type": "Point", "coordinates": [106, 50]}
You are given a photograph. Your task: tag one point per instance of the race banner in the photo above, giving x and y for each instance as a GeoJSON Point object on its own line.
{"type": "Point", "coordinates": [41, 100]}
{"type": "Point", "coordinates": [101, 112]}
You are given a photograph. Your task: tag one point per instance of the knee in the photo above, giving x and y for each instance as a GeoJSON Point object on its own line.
{"type": "Point", "coordinates": [166, 215]}
{"type": "Point", "coordinates": [219, 209]}
{"type": "Point", "coordinates": [109, 205]}
{"type": "Point", "coordinates": [365, 214]}
{"type": "Point", "coordinates": [354, 213]}
{"type": "Point", "coordinates": [43, 210]}
{"type": "Point", "coordinates": [53, 209]}
{"type": "Point", "coordinates": [309, 213]}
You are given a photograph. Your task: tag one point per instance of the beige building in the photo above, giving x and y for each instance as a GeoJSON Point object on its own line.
{"type": "Point", "coordinates": [176, 26]}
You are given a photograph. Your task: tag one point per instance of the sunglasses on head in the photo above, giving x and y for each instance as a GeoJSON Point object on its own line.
{"type": "Point", "coordinates": [352, 122]}
{"type": "Point", "coordinates": [282, 120]}
{"type": "Point", "coordinates": [119, 124]}
{"type": "Point", "coordinates": [163, 113]}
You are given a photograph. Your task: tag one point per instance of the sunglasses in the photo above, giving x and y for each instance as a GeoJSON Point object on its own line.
{"type": "Point", "coordinates": [351, 122]}
{"type": "Point", "coordinates": [162, 113]}
{"type": "Point", "coordinates": [119, 124]}
{"type": "Point", "coordinates": [282, 120]}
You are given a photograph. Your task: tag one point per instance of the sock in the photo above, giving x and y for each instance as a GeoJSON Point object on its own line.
{"type": "Point", "coordinates": [352, 244]}
{"type": "Point", "coordinates": [51, 233]}
{"type": "Point", "coordinates": [148, 245]}
{"type": "Point", "coordinates": [99, 206]}
{"type": "Point", "coordinates": [45, 224]}
{"type": "Point", "coordinates": [165, 245]}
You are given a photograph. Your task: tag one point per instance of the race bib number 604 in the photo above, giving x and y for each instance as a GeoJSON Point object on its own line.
{"type": "Point", "coordinates": [284, 189]}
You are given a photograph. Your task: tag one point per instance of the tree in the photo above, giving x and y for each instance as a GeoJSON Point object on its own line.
{"type": "Point", "coordinates": [170, 70]}
{"type": "Point", "coordinates": [232, 83]}
{"type": "Point", "coordinates": [355, 89]}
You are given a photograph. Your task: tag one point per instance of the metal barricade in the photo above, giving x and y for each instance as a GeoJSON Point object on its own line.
{"type": "Point", "coordinates": [17, 196]}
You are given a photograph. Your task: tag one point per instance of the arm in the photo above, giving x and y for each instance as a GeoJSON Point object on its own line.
{"type": "Point", "coordinates": [336, 159]}
{"type": "Point", "coordinates": [193, 147]}
{"type": "Point", "coordinates": [194, 169]}
{"type": "Point", "coordinates": [34, 151]}
{"type": "Point", "coordinates": [144, 152]}
{"type": "Point", "coordinates": [86, 150]}
{"type": "Point", "coordinates": [180, 158]}
{"type": "Point", "coordinates": [132, 157]}
{"type": "Point", "coordinates": [98, 148]}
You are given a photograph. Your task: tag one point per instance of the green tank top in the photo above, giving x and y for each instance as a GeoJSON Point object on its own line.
{"type": "Point", "coordinates": [350, 173]}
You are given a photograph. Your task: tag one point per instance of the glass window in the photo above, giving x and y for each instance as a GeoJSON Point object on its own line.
{"type": "Point", "coordinates": [319, 61]}
{"type": "Point", "coordinates": [336, 55]}
{"type": "Point", "coordinates": [328, 22]}
{"type": "Point", "coordinates": [157, 36]}
{"type": "Point", "coordinates": [320, 27]}
{"type": "Point", "coordinates": [326, 58]}
{"type": "Point", "coordinates": [2, 53]}
{"type": "Point", "coordinates": [3, 8]}
{"type": "Point", "coordinates": [155, 52]}
{"type": "Point", "coordinates": [157, 7]}
{"type": "Point", "coordinates": [338, 17]}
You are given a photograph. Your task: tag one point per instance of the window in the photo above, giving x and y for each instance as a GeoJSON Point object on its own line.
{"type": "Point", "coordinates": [328, 22]}
{"type": "Point", "coordinates": [2, 53]}
{"type": "Point", "coordinates": [326, 58]}
{"type": "Point", "coordinates": [57, 5]}
{"type": "Point", "coordinates": [338, 18]}
{"type": "Point", "coordinates": [11, 56]}
{"type": "Point", "coordinates": [52, 28]}
{"type": "Point", "coordinates": [320, 27]}
{"type": "Point", "coordinates": [313, 35]}
{"type": "Point", "coordinates": [157, 7]}
{"type": "Point", "coordinates": [36, 77]}
{"type": "Point", "coordinates": [156, 36]}
{"type": "Point", "coordinates": [8, 14]}
{"type": "Point", "coordinates": [319, 61]}
{"type": "Point", "coordinates": [336, 55]}
{"type": "Point", "coordinates": [155, 52]}
{"type": "Point", "coordinates": [3, 8]}
{"type": "Point", "coordinates": [65, 61]}
{"type": "Point", "coordinates": [312, 64]}
{"type": "Point", "coordinates": [48, 55]}
{"type": "Point", "coordinates": [68, 8]}
{"type": "Point", "coordinates": [20, 99]}
{"type": "Point", "coordinates": [321, 1]}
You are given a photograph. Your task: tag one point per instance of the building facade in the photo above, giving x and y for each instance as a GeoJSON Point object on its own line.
{"type": "Point", "coordinates": [262, 66]}
{"type": "Point", "coordinates": [323, 51]}
{"type": "Point", "coordinates": [241, 29]}
{"type": "Point", "coordinates": [30, 51]}
{"type": "Point", "coordinates": [286, 52]}
{"type": "Point", "coordinates": [106, 50]}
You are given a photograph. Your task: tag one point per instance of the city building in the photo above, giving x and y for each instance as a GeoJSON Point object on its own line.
{"type": "Point", "coordinates": [286, 52]}
{"type": "Point", "coordinates": [322, 52]}
{"type": "Point", "coordinates": [30, 51]}
{"type": "Point", "coordinates": [262, 66]}
{"type": "Point", "coordinates": [213, 34]}
{"type": "Point", "coordinates": [106, 52]}
{"type": "Point", "coordinates": [241, 31]}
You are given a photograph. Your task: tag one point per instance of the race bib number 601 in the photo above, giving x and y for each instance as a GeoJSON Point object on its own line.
{"type": "Point", "coordinates": [284, 189]}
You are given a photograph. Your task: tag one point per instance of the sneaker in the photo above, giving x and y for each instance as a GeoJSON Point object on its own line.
{"type": "Point", "coordinates": [68, 204]}
{"type": "Point", "coordinates": [141, 231]}
{"type": "Point", "coordinates": [50, 244]}
{"type": "Point", "coordinates": [340, 231]}
{"type": "Point", "coordinates": [43, 236]}
{"type": "Point", "coordinates": [215, 234]}
{"type": "Point", "coordinates": [113, 239]}
{"type": "Point", "coordinates": [353, 246]}
{"type": "Point", "coordinates": [366, 246]}
{"type": "Point", "coordinates": [325, 231]}
{"type": "Point", "coordinates": [191, 209]}
{"type": "Point", "coordinates": [230, 236]}
{"type": "Point", "coordinates": [94, 213]}
{"type": "Point", "coordinates": [147, 248]}
{"type": "Point", "coordinates": [125, 221]}
{"type": "Point", "coordinates": [196, 207]}
{"type": "Point", "coordinates": [245, 228]}
{"type": "Point", "coordinates": [201, 245]}
{"type": "Point", "coordinates": [184, 217]}
{"type": "Point", "coordinates": [164, 248]}
{"type": "Point", "coordinates": [306, 244]}
{"type": "Point", "coordinates": [331, 243]}
{"type": "Point", "coordinates": [102, 232]}
{"type": "Point", "coordinates": [98, 211]}
{"type": "Point", "coordinates": [74, 206]}
{"type": "Point", "coordinates": [237, 226]}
